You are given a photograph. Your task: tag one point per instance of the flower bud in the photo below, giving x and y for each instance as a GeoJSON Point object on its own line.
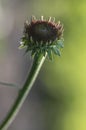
{"type": "Point", "coordinates": [43, 36]}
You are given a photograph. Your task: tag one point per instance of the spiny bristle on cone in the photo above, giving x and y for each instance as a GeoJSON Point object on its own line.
{"type": "Point", "coordinates": [42, 18]}
{"type": "Point", "coordinates": [49, 20]}
{"type": "Point", "coordinates": [33, 18]}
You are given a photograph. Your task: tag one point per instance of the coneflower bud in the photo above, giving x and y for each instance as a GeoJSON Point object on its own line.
{"type": "Point", "coordinates": [43, 36]}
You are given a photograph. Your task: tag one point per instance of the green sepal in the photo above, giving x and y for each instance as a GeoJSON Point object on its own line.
{"type": "Point", "coordinates": [23, 43]}
{"type": "Point", "coordinates": [49, 51]}
{"type": "Point", "coordinates": [56, 50]}
{"type": "Point", "coordinates": [42, 48]}
{"type": "Point", "coordinates": [60, 44]}
{"type": "Point", "coordinates": [44, 52]}
{"type": "Point", "coordinates": [33, 53]}
{"type": "Point", "coordinates": [22, 46]}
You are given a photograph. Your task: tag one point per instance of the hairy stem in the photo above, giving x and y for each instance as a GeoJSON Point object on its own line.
{"type": "Point", "coordinates": [37, 63]}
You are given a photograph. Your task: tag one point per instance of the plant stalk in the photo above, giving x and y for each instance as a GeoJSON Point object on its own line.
{"type": "Point", "coordinates": [8, 84]}
{"type": "Point", "coordinates": [23, 93]}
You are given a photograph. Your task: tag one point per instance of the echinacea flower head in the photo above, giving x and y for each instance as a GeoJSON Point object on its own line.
{"type": "Point", "coordinates": [43, 36]}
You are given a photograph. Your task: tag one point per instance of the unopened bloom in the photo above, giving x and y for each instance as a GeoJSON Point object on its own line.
{"type": "Point", "coordinates": [43, 36]}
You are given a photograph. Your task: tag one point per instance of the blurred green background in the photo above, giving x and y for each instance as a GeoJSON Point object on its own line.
{"type": "Point", "coordinates": [58, 98]}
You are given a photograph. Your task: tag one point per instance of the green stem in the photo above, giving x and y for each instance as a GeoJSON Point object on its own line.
{"type": "Point", "coordinates": [37, 63]}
